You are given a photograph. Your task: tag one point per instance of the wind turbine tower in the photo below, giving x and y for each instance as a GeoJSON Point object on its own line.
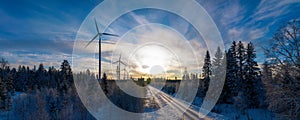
{"type": "Point", "coordinates": [119, 62]}
{"type": "Point", "coordinates": [99, 35]}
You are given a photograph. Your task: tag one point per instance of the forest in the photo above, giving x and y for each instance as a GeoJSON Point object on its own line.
{"type": "Point", "coordinates": [273, 86]}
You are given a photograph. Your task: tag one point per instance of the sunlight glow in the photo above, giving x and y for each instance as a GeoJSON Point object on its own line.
{"type": "Point", "coordinates": [149, 56]}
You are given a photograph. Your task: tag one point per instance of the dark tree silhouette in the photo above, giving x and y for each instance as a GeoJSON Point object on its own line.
{"type": "Point", "coordinates": [103, 83]}
{"type": "Point", "coordinates": [254, 88]}
{"type": "Point", "coordinates": [206, 72]}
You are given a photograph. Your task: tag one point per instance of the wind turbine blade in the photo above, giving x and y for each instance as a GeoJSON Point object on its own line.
{"type": "Point", "coordinates": [123, 63]}
{"type": "Point", "coordinates": [115, 62]}
{"type": "Point", "coordinates": [107, 42]}
{"type": "Point", "coordinates": [91, 41]}
{"type": "Point", "coordinates": [110, 34]}
{"type": "Point", "coordinates": [96, 26]}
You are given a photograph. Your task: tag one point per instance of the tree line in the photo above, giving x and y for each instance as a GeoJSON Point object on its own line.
{"type": "Point", "coordinates": [43, 93]}
{"type": "Point", "coordinates": [275, 85]}
{"type": "Point", "coordinates": [243, 84]}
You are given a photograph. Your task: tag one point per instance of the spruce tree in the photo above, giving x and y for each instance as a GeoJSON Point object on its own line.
{"type": "Point", "coordinates": [9, 88]}
{"type": "Point", "coordinates": [242, 86]}
{"type": "Point", "coordinates": [231, 86]}
{"type": "Point", "coordinates": [218, 71]}
{"type": "Point", "coordinates": [65, 83]}
{"type": "Point", "coordinates": [217, 60]}
{"type": "Point", "coordinates": [2, 94]}
{"type": "Point", "coordinates": [66, 77]}
{"type": "Point", "coordinates": [104, 84]}
{"type": "Point", "coordinates": [40, 77]}
{"type": "Point", "coordinates": [6, 87]}
{"type": "Point", "coordinates": [241, 61]}
{"type": "Point", "coordinates": [206, 72]}
{"type": "Point", "coordinates": [255, 90]}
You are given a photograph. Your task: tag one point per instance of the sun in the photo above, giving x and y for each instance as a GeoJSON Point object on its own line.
{"type": "Point", "coordinates": [153, 58]}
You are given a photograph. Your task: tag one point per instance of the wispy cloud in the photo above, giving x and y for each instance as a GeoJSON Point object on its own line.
{"type": "Point", "coordinates": [181, 52]}
{"type": "Point", "coordinates": [29, 58]}
{"type": "Point", "coordinates": [239, 21]}
{"type": "Point", "coordinates": [272, 9]}
{"type": "Point", "coordinates": [139, 19]}
{"type": "Point", "coordinates": [39, 32]}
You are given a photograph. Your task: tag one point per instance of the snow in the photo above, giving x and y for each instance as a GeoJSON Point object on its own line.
{"type": "Point", "coordinates": [9, 115]}
{"type": "Point", "coordinates": [221, 112]}
{"type": "Point", "coordinates": [232, 113]}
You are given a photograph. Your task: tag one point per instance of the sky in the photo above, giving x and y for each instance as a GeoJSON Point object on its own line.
{"type": "Point", "coordinates": [35, 31]}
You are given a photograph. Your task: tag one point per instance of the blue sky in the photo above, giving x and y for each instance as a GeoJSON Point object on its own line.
{"type": "Point", "coordinates": [43, 31]}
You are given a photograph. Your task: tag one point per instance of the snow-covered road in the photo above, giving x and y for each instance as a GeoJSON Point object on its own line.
{"type": "Point", "coordinates": [177, 106]}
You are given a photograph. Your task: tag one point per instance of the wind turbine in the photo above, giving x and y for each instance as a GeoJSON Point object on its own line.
{"type": "Point", "coordinates": [99, 35]}
{"type": "Point", "coordinates": [119, 67]}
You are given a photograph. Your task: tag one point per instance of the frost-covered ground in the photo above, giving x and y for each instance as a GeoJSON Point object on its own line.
{"type": "Point", "coordinates": [155, 108]}
{"type": "Point", "coordinates": [9, 115]}
{"type": "Point", "coordinates": [232, 113]}
{"type": "Point", "coordinates": [221, 112]}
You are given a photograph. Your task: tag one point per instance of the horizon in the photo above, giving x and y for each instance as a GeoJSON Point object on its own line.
{"type": "Point", "coordinates": [149, 59]}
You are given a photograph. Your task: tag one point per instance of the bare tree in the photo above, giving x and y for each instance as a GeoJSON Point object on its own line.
{"type": "Point", "coordinates": [3, 63]}
{"type": "Point", "coordinates": [284, 54]}
{"type": "Point", "coordinates": [285, 44]}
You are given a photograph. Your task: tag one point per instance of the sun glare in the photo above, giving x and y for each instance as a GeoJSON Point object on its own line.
{"type": "Point", "coordinates": [149, 56]}
{"type": "Point", "coordinates": [155, 50]}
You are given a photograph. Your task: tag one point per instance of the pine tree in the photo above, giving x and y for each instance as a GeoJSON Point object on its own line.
{"type": "Point", "coordinates": [6, 87]}
{"type": "Point", "coordinates": [241, 61]}
{"type": "Point", "coordinates": [231, 86]}
{"type": "Point", "coordinates": [104, 84]}
{"type": "Point", "coordinates": [206, 72]}
{"type": "Point", "coordinates": [254, 88]}
{"type": "Point", "coordinates": [13, 76]}
{"type": "Point", "coordinates": [242, 85]}
{"type": "Point", "coordinates": [65, 84]}
{"type": "Point", "coordinates": [217, 61]}
{"type": "Point", "coordinates": [53, 107]}
{"type": "Point", "coordinates": [53, 77]}
{"type": "Point", "coordinates": [2, 94]}
{"type": "Point", "coordinates": [207, 66]}
{"type": "Point", "coordinates": [3, 63]}
{"type": "Point", "coordinates": [30, 83]}
{"type": "Point", "coordinates": [18, 80]}
{"type": "Point", "coordinates": [10, 88]}
{"type": "Point", "coordinates": [66, 80]}
{"type": "Point", "coordinates": [218, 71]}
{"type": "Point", "coordinates": [39, 77]}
